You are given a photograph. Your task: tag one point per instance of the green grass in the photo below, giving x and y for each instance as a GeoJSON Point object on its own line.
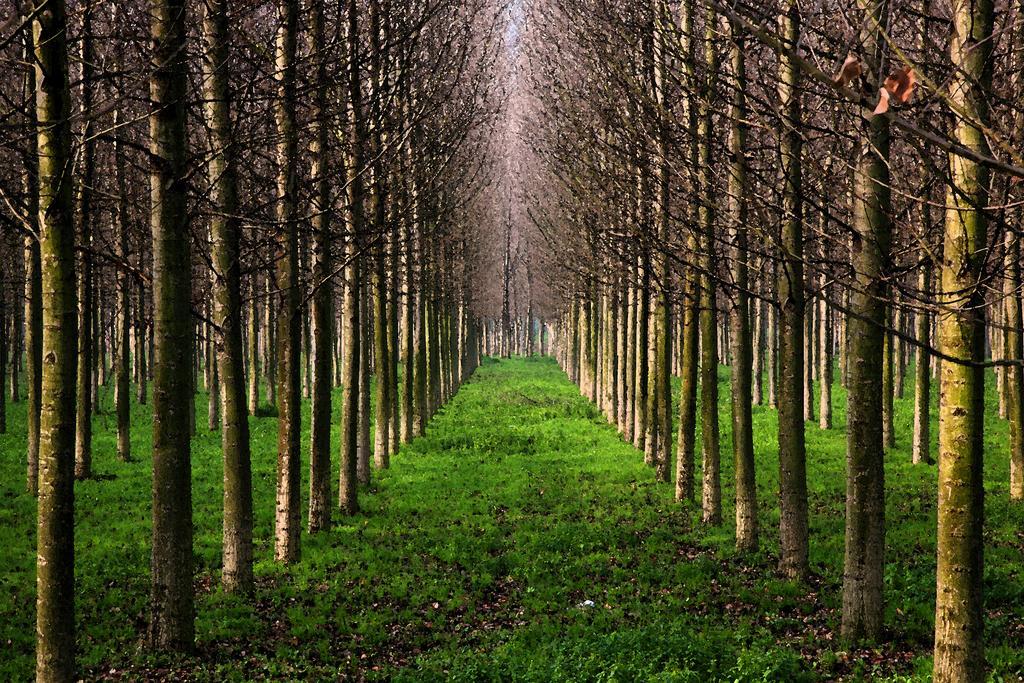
{"type": "Point", "coordinates": [475, 551]}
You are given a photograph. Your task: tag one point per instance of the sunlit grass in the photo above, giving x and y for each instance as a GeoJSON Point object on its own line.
{"type": "Point", "coordinates": [476, 553]}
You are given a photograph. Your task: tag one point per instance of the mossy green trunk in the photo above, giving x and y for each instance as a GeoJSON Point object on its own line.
{"type": "Point", "coordinates": [959, 654]}
{"type": "Point", "coordinates": [689, 370]}
{"type": "Point", "coordinates": [739, 317]}
{"type": "Point", "coordinates": [55, 540]}
{"type": "Point", "coordinates": [866, 362]}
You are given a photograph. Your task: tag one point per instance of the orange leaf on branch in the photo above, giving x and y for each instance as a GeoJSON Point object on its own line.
{"type": "Point", "coordinates": [883, 102]}
{"type": "Point", "coordinates": [900, 84]}
{"type": "Point", "coordinates": [850, 70]}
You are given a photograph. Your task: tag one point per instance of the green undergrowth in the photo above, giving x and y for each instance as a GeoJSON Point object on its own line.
{"type": "Point", "coordinates": [519, 539]}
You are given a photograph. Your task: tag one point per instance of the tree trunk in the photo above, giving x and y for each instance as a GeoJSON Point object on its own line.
{"type": "Point", "coordinates": [83, 414]}
{"type": "Point", "coordinates": [141, 341]}
{"type": "Point", "coordinates": [122, 392]}
{"type": "Point", "coordinates": [348, 501]}
{"type": "Point", "coordinates": [254, 347]}
{"type": "Point", "coordinates": [825, 361]}
{"type": "Point", "coordinates": [1014, 352]}
{"type": "Point", "coordinates": [226, 232]}
{"type": "Point", "coordinates": [793, 523]}
{"type": "Point", "coordinates": [922, 374]}
{"type": "Point", "coordinates": [287, 517]}
{"type": "Point", "coordinates": [757, 359]}
{"type": "Point", "coordinates": [33, 310]}
{"type": "Point", "coordinates": [55, 540]}
{"type": "Point", "coordinates": [642, 365]}
{"type": "Point", "coordinates": [865, 476]}
{"type": "Point", "coordinates": [3, 351]}
{"type": "Point", "coordinates": [661, 412]}
{"type": "Point", "coordinates": [887, 387]}
{"type": "Point", "coordinates": [409, 229]}
{"type": "Point", "coordinates": [323, 296]}
{"type": "Point", "coordinates": [711, 499]}
{"type": "Point", "coordinates": [173, 611]}
{"type": "Point", "coordinates": [739, 319]}
{"type": "Point", "coordinates": [366, 322]}
{"type": "Point", "coordinates": [959, 652]}
{"type": "Point", "coordinates": [213, 384]}
{"type": "Point", "coordinates": [809, 329]}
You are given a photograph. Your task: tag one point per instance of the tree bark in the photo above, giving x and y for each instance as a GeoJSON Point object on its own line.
{"type": "Point", "coordinates": [921, 452]}
{"type": "Point", "coordinates": [227, 314]}
{"type": "Point", "coordinates": [793, 522]}
{"type": "Point", "coordinates": [173, 612]}
{"type": "Point", "coordinates": [323, 296]}
{"type": "Point", "coordinates": [348, 501]}
{"type": "Point", "coordinates": [711, 498]}
{"type": "Point", "coordinates": [55, 540]}
{"type": "Point", "coordinates": [1014, 352]}
{"type": "Point", "coordinates": [739, 319]}
{"type": "Point", "coordinates": [254, 347]}
{"type": "Point", "coordinates": [287, 517]}
{"type": "Point", "coordinates": [959, 654]}
{"type": "Point", "coordinates": [825, 361]}
{"type": "Point", "coordinates": [83, 414]}
{"type": "Point", "coordinates": [122, 389]}
{"type": "Point", "coordinates": [865, 473]}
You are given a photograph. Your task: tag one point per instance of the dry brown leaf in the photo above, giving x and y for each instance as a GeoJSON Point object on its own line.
{"type": "Point", "coordinates": [850, 70]}
{"type": "Point", "coordinates": [883, 102]}
{"type": "Point", "coordinates": [900, 84]}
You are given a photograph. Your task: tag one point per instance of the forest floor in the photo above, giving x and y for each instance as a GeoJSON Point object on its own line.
{"type": "Point", "coordinates": [520, 539]}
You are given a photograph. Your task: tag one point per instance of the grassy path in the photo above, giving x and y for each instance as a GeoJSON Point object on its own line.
{"type": "Point", "coordinates": [479, 553]}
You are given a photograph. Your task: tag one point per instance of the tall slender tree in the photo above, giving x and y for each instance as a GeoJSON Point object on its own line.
{"type": "Point", "coordinates": [793, 521]}
{"type": "Point", "coordinates": [872, 239]}
{"type": "Point", "coordinates": [739, 317]}
{"type": "Point", "coordinates": [287, 516]}
{"type": "Point", "coordinates": [172, 618]}
{"type": "Point", "coordinates": [226, 233]}
{"type": "Point", "coordinates": [959, 652]}
{"type": "Point", "coordinates": [323, 296]}
{"type": "Point", "coordinates": [55, 540]}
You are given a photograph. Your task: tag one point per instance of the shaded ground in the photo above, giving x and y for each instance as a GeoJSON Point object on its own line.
{"type": "Point", "coordinates": [479, 552]}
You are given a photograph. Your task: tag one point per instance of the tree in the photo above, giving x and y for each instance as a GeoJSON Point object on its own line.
{"type": "Point", "coordinates": [323, 299]}
{"type": "Point", "coordinates": [348, 501]}
{"type": "Point", "coordinates": [172, 607]}
{"type": "Point", "coordinates": [86, 180]}
{"type": "Point", "coordinates": [739, 318]}
{"type": "Point", "coordinates": [711, 498]}
{"type": "Point", "coordinates": [865, 478]}
{"type": "Point", "coordinates": [792, 455]}
{"type": "Point", "coordinates": [225, 231]}
{"type": "Point", "coordinates": [287, 525]}
{"type": "Point", "coordinates": [958, 607]}
{"type": "Point", "coordinates": [55, 541]}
